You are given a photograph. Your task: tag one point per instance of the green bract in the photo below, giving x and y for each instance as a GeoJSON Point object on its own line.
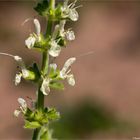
{"type": "Point", "coordinates": [36, 119]}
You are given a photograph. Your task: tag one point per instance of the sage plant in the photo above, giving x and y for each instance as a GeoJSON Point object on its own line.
{"type": "Point", "coordinates": [48, 76]}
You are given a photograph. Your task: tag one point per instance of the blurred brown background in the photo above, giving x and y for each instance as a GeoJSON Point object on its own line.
{"type": "Point", "coordinates": [108, 78]}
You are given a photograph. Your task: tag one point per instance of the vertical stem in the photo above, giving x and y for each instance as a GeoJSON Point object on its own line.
{"type": "Point", "coordinates": [44, 69]}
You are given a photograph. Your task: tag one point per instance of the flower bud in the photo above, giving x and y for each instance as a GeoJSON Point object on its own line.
{"type": "Point", "coordinates": [22, 103]}
{"type": "Point", "coordinates": [28, 75]}
{"type": "Point", "coordinates": [18, 78]}
{"type": "Point", "coordinates": [73, 15]}
{"type": "Point", "coordinates": [71, 80]}
{"type": "Point", "coordinates": [16, 113]}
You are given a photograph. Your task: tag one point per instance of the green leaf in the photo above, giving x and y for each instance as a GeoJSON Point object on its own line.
{"type": "Point", "coordinates": [32, 125]}
{"type": "Point", "coordinates": [42, 8]}
{"type": "Point", "coordinates": [56, 85]}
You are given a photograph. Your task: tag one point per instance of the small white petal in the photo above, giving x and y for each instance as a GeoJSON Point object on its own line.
{"type": "Point", "coordinates": [18, 78]}
{"type": "Point", "coordinates": [16, 113]}
{"type": "Point", "coordinates": [54, 66]}
{"type": "Point", "coordinates": [67, 64]}
{"type": "Point", "coordinates": [73, 15]}
{"type": "Point", "coordinates": [45, 86]}
{"type": "Point", "coordinates": [37, 26]}
{"type": "Point", "coordinates": [56, 30]}
{"type": "Point", "coordinates": [62, 25]}
{"type": "Point", "coordinates": [22, 103]}
{"type": "Point", "coordinates": [25, 73]}
{"type": "Point", "coordinates": [17, 58]}
{"type": "Point", "coordinates": [20, 61]}
{"type": "Point", "coordinates": [71, 80]}
{"type": "Point", "coordinates": [70, 35]}
{"type": "Point", "coordinates": [55, 49]}
{"type": "Point", "coordinates": [62, 74]}
{"type": "Point", "coordinates": [30, 41]}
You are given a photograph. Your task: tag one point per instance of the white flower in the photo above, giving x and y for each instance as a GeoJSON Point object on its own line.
{"type": "Point", "coordinates": [55, 49]}
{"type": "Point", "coordinates": [18, 78]}
{"type": "Point", "coordinates": [70, 11]}
{"type": "Point", "coordinates": [24, 72]}
{"type": "Point", "coordinates": [23, 105]}
{"type": "Point", "coordinates": [70, 79]}
{"type": "Point", "coordinates": [45, 86]}
{"type": "Point", "coordinates": [33, 38]}
{"type": "Point", "coordinates": [73, 15]}
{"type": "Point", "coordinates": [70, 35]}
{"type": "Point", "coordinates": [64, 73]}
{"type": "Point", "coordinates": [30, 42]}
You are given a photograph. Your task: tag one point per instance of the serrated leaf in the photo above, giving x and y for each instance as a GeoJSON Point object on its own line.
{"type": "Point", "coordinates": [42, 8]}
{"type": "Point", "coordinates": [32, 125]}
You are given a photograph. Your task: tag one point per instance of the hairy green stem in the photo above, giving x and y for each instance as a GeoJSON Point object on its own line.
{"type": "Point", "coordinates": [44, 69]}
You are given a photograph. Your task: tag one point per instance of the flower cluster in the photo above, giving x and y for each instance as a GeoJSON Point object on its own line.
{"type": "Point", "coordinates": [35, 118]}
{"type": "Point", "coordinates": [53, 80]}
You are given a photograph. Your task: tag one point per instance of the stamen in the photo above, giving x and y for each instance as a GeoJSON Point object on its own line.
{"type": "Point", "coordinates": [26, 20]}
{"type": "Point", "coordinates": [7, 54]}
{"type": "Point", "coordinates": [73, 4]}
{"type": "Point", "coordinates": [79, 6]}
{"type": "Point", "coordinates": [85, 54]}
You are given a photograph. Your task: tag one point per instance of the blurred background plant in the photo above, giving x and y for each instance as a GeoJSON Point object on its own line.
{"type": "Point", "coordinates": [110, 76]}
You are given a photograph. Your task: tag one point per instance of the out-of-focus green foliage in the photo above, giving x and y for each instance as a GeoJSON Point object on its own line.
{"type": "Point", "coordinates": [84, 120]}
